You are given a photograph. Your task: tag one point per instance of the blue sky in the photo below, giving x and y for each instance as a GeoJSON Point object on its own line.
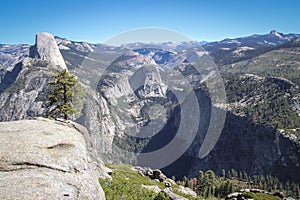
{"type": "Point", "coordinates": [96, 21]}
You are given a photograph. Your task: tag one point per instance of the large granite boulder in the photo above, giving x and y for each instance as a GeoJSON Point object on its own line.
{"type": "Point", "coordinates": [44, 159]}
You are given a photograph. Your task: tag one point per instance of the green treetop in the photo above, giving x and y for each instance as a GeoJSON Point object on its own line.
{"type": "Point", "coordinates": [65, 95]}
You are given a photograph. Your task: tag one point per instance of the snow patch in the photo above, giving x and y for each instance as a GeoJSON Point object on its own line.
{"type": "Point", "coordinates": [239, 51]}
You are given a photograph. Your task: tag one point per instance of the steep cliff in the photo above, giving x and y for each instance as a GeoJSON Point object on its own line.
{"type": "Point", "coordinates": [46, 49]}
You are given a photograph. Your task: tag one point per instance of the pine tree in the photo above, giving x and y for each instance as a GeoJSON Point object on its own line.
{"type": "Point", "coordinates": [186, 182]}
{"type": "Point", "coordinates": [208, 192]}
{"type": "Point", "coordinates": [200, 183]}
{"type": "Point", "coordinates": [223, 173]}
{"type": "Point", "coordinates": [173, 178]}
{"type": "Point", "coordinates": [226, 188]}
{"type": "Point", "coordinates": [297, 192]}
{"type": "Point", "coordinates": [241, 175]}
{"type": "Point", "coordinates": [210, 175]}
{"type": "Point", "coordinates": [220, 192]}
{"type": "Point", "coordinates": [234, 173]}
{"type": "Point", "coordinates": [245, 176]}
{"type": "Point", "coordinates": [229, 175]}
{"type": "Point", "coordinates": [65, 95]}
{"type": "Point", "coordinates": [231, 189]}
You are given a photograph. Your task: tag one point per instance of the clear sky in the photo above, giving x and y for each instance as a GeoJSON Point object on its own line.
{"type": "Point", "coordinates": [97, 20]}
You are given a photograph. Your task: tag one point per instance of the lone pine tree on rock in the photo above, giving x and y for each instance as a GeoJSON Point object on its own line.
{"type": "Point", "coordinates": [65, 96]}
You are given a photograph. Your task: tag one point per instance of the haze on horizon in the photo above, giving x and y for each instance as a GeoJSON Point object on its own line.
{"type": "Point", "coordinates": [96, 21]}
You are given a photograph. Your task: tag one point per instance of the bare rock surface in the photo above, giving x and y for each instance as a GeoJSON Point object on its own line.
{"type": "Point", "coordinates": [186, 190]}
{"type": "Point", "coordinates": [44, 159]}
{"type": "Point", "coordinates": [47, 50]}
{"type": "Point", "coordinates": [172, 195]}
{"type": "Point", "coordinates": [153, 188]}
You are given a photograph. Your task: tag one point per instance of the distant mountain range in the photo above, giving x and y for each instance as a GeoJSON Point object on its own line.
{"type": "Point", "coordinates": [273, 38]}
{"type": "Point", "coordinates": [11, 54]}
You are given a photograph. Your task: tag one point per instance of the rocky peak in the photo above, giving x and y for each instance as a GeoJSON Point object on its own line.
{"type": "Point", "coordinates": [46, 49]}
{"type": "Point", "coordinates": [275, 33]}
{"type": "Point", "coordinates": [148, 79]}
{"type": "Point", "coordinates": [65, 44]}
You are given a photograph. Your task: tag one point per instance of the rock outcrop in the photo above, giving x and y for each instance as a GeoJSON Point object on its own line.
{"type": "Point", "coordinates": [153, 188]}
{"type": "Point", "coordinates": [240, 194]}
{"type": "Point", "coordinates": [172, 195]}
{"type": "Point", "coordinates": [47, 50]}
{"type": "Point", "coordinates": [156, 174]}
{"type": "Point", "coordinates": [149, 80]}
{"type": "Point", "coordinates": [153, 174]}
{"type": "Point", "coordinates": [43, 159]}
{"type": "Point", "coordinates": [187, 191]}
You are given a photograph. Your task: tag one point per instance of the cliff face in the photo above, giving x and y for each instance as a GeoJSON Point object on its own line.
{"type": "Point", "coordinates": [43, 159]}
{"type": "Point", "coordinates": [22, 90]}
{"type": "Point", "coordinates": [46, 49]}
{"type": "Point", "coordinates": [243, 146]}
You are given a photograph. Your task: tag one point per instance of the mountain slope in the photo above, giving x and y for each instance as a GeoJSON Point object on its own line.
{"type": "Point", "coordinates": [273, 38]}
{"type": "Point", "coordinates": [10, 55]}
{"type": "Point", "coordinates": [233, 50]}
{"type": "Point", "coordinates": [270, 101]}
{"type": "Point", "coordinates": [131, 92]}
{"type": "Point", "coordinates": [283, 61]}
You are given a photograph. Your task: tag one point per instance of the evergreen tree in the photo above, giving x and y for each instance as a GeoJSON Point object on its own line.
{"type": "Point", "coordinates": [210, 174]}
{"type": "Point", "coordinates": [240, 175]}
{"type": "Point", "coordinates": [208, 192]}
{"type": "Point", "coordinates": [220, 191]}
{"type": "Point", "coordinates": [223, 173]}
{"type": "Point", "coordinates": [65, 95]}
{"type": "Point", "coordinates": [245, 176]}
{"type": "Point", "coordinates": [200, 175]}
{"type": "Point", "coordinates": [173, 178]}
{"type": "Point", "coordinates": [200, 183]}
{"type": "Point", "coordinates": [297, 192]}
{"type": "Point", "coordinates": [231, 189]}
{"type": "Point", "coordinates": [186, 182]}
{"type": "Point", "coordinates": [229, 174]}
{"type": "Point", "coordinates": [227, 187]}
{"type": "Point", "coordinates": [209, 185]}
{"type": "Point", "coordinates": [234, 173]}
